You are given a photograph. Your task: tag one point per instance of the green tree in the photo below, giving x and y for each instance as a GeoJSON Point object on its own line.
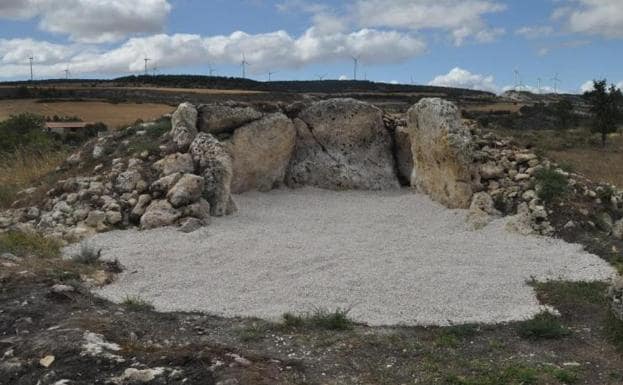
{"type": "Point", "coordinates": [564, 113]}
{"type": "Point", "coordinates": [604, 103]}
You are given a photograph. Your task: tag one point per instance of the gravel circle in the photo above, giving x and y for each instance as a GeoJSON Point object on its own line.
{"type": "Point", "coordinates": [390, 257]}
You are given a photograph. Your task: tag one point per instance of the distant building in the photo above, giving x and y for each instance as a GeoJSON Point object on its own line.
{"type": "Point", "coordinates": [64, 129]}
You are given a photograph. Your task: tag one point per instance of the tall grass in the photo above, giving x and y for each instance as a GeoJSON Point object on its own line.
{"type": "Point", "coordinates": [23, 168]}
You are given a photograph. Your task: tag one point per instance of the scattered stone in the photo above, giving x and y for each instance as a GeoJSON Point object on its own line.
{"type": "Point", "coordinates": [9, 257]}
{"type": "Point", "coordinates": [175, 163]}
{"type": "Point", "coordinates": [184, 126]}
{"type": "Point", "coordinates": [133, 375]}
{"type": "Point", "coordinates": [187, 190]}
{"type": "Point", "coordinates": [188, 225]}
{"type": "Point", "coordinates": [47, 361]}
{"type": "Point", "coordinates": [617, 230]}
{"type": "Point", "coordinates": [127, 181]}
{"type": "Point", "coordinates": [159, 213]}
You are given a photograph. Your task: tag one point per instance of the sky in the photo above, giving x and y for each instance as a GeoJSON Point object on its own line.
{"type": "Point", "coordinates": [491, 45]}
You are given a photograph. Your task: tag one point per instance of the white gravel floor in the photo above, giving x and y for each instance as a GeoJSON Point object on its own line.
{"type": "Point", "coordinates": [394, 258]}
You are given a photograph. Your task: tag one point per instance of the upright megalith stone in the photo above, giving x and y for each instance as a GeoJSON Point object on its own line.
{"type": "Point", "coordinates": [342, 144]}
{"type": "Point", "coordinates": [214, 164]}
{"type": "Point", "coordinates": [442, 152]}
{"type": "Point", "coordinates": [184, 126]}
{"type": "Point", "coordinates": [261, 151]}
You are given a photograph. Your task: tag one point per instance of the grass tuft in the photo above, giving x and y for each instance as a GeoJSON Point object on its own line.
{"type": "Point", "coordinates": [319, 319]}
{"type": "Point", "coordinates": [88, 255]}
{"type": "Point", "coordinates": [544, 325]}
{"type": "Point", "coordinates": [136, 303]}
{"type": "Point", "coordinates": [29, 244]}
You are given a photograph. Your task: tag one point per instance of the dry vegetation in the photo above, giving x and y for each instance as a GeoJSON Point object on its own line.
{"type": "Point", "coordinates": [24, 169]}
{"type": "Point", "coordinates": [113, 115]}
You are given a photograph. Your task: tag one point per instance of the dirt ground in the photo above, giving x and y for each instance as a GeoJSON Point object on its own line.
{"type": "Point", "coordinates": [113, 115]}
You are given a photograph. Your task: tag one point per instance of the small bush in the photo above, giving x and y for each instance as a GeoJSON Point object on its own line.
{"type": "Point", "coordinates": [544, 325]}
{"type": "Point", "coordinates": [614, 328]}
{"type": "Point", "coordinates": [136, 303]}
{"type": "Point", "coordinates": [88, 255]}
{"type": "Point", "coordinates": [320, 319]}
{"type": "Point", "coordinates": [550, 184]}
{"type": "Point", "coordinates": [24, 131]}
{"type": "Point", "coordinates": [27, 243]}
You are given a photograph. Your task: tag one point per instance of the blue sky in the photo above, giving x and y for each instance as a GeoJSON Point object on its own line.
{"type": "Point", "coordinates": [466, 43]}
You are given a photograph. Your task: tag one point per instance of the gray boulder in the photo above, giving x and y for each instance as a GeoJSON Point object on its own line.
{"type": "Point", "coordinates": [184, 125]}
{"type": "Point", "coordinates": [174, 163]}
{"type": "Point", "coordinates": [217, 118]}
{"type": "Point", "coordinates": [342, 144]}
{"type": "Point", "coordinates": [187, 190]}
{"type": "Point", "coordinates": [159, 213]}
{"type": "Point", "coordinates": [261, 152]}
{"type": "Point", "coordinates": [215, 166]}
{"type": "Point", "coordinates": [127, 181]}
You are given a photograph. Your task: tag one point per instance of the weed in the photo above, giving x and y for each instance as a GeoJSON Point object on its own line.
{"type": "Point", "coordinates": [29, 243]}
{"type": "Point", "coordinates": [136, 303]}
{"type": "Point", "coordinates": [88, 254]}
{"type": "Point", "coordinates": [544, 325]}
{"type": "Point", "coordinates": [252, 333]}
{"type": "Point", "coordinates": [571, 293]}
{"type": "Point", "coordinates": [565, 376]}
{"type": "Point", "coordinates": [614, 330]}
{"type": "Point", "coordinates": [320, 319]}
{"type": "Point", "coordinates": [550, 184]}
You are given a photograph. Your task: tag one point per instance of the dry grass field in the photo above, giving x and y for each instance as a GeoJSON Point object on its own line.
{"type": "Point", "coordinates": [113, 115]}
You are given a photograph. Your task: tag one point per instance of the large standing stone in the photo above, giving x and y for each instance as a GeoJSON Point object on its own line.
{"type": "Point", "coordinates": [261, 152]}
{"type": "Point", "coordinates": [159, 213]}
{"type": "Point", "coordinates": [184, 125]}
{"type": "Point", "coordinates": [215, 165]}
{"type": "Point", "coordinates": [442, 152]}
{"type": "Point", "coordinates": [186, 191]}
{"type": "Point", "coordinates": [218, 118]}
{"type": "Point", "coordinates": [342, 144]}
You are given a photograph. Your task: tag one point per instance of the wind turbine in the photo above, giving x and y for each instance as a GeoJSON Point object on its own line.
{"type": "Point", "coordinates": [31, 75]}
{"type": "Point", "coordinates": [539, 84]}
{"type": "Point", "coordinates": [270, 74]}
{"type": "Point", "coordinates": [146, 60]}
{"type": "Point", "coordinates": [244, 65]}
{"type": "Point", "coordinates": [555, 81]}
{"type": "Point", "coordinates": [517, 80]}
{"type": "Point", "coordinates": [66, 73]}
{"type": "Point", "coordinates": [211, 69]}
{"type": "Point", "coordinates": [355, 65]}
{"type": "Point", "coordinates": [321, 77]}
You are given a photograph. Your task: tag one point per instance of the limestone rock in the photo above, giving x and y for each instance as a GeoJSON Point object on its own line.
{"type": "Point", "coordinates": [404, 156]}
{"type": "Point", "coordinates": [189, 225]}
{"type": "Point", "coordinates": [342, 144]}
{"type": "Point", "coordinates": [184, 125]}
{"type": "Point", "coordinates": [615, 297]}
{"type": "Point", "coordinates": [164, 184]}
{"type": "Point", "coordinates": [140, 207]}
{"type": "Point", "coordinates": [187, 190]}
{"type": "Point", "coordinates": [215, 166]}
{"type": "Point", "coordinates": [442, 152]}
{"type": "Point", "coordinates": [481, 211]}
{"type": "Point", "coordinates": [199, 210]}
{"type": "Point", "coordinates": [617, 229]}
{"type": "Point", "coordinates": [159, 213]}
{"type": "Point", "coordinates": [491, 171]}
{"type": "Point", "coordinates": [216, 118]}
{"type": "Point", "coordinates": [127, 181]}
{"type": "Point", "coordinates": [173, 163]}
{"type": "Point", "coordinates": [261, 151]}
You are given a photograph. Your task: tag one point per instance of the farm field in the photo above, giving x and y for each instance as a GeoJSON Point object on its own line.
{"type": "Point", "coordinates": [113, 115]}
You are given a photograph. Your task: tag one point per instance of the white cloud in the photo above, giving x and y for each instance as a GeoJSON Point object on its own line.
{"type": "Point", "coordinates": [343, 77]}
{"type": "Point", "coordinates": [534, 32]}
{"type": "Point", "coordinates": [587, 86]}
{"type": "Point", "coordinates": [595, 17]}
{"type": "Point", "coordinates": [460, 78]}
{"type": "Point", "coordinates": [620, 86]}
{"type": "Point", "coordinates": [462, 18]}
{"type": "Point", "coordinates": [91, 21]}
{"type": "Point", "coordinates": [263, 51]}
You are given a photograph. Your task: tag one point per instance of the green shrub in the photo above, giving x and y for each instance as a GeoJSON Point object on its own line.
{"type": "Point", "coordinates": [25, 244]}
{"type": "Point", "coordinates": [25, 131]}
{"type": "Point", "coordinates": [550, 184]}
{"type": "Point", "coordinates": [544, 325]}
{"type": "Point", "coordinates": [136, 303]}
{"type": "Point", "coordinates": [320, 319]}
